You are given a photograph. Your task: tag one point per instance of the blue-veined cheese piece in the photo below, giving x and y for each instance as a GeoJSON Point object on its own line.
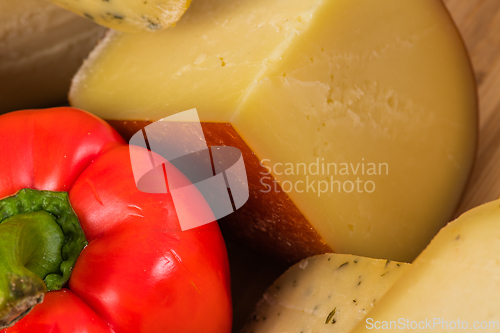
{"type": "Point", "coordinates": [129, 15]}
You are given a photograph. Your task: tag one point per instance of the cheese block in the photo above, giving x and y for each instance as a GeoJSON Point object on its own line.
{"type": "Point", "coordinates": [324, 293]}
{"type": "Point", "coordinates": [41, 48]}
{"type": "Point", "coordinates": [129, 15]}
{"type": "Point", "coordinates": [454, 284]}
{"type": "Point", "coordinates": [358, 117]}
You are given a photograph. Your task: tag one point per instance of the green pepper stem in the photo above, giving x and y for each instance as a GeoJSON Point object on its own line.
{"type": "Point", "coordinates": [40, 240]}
{"type": "Point", "coordinates": [30, 249]}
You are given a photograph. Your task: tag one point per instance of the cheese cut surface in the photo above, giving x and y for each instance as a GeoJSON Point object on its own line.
{"type": "Point", "coordinates": [363, 111]}
{"type": "Point", "coordinates": [454, 284]}
{"type": "Point", "coordinates": [324, 293]}
{"type": "Point", "coordinates": [41, 48]}
{"type": "Point", "coordinates": [129, 15]}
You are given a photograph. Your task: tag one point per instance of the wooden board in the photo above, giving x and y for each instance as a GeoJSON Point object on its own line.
{"type": "Point", "coordinates": [479, 24]}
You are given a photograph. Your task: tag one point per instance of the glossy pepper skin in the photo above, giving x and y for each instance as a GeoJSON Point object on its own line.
{"type": "Point", "coordinates": [139, 272]}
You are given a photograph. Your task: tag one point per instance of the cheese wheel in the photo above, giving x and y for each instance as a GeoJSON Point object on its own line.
{"type": "Point", "coordinates": [359, 116]}
{"type": "Point", "coordinates": [324, 293]}
{"type": "Point", "coordinates": [41, 48]}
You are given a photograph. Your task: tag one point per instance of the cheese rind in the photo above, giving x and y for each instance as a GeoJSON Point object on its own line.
{"type": "Point", "coordinates": [129, 15]}
{"type": "Point", "coordinates": [363, 111]}
{"type": "Point", "coordinates": [291, 239]}
{"type": "Point", "coordinates": [325, 293]}
{"type": "Point", "coordinates": [41, 48]}
{"type": "Point", "coordinates": [453, 284]}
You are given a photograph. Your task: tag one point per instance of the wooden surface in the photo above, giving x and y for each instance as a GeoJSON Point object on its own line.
{"type": "Point", "coordinates": [479, 24]}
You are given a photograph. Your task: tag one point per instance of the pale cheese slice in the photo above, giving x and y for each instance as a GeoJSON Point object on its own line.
{"type": "Point", "coordinates": [324, 293]}
{"type": "Point", "coordinates": [453, 285]}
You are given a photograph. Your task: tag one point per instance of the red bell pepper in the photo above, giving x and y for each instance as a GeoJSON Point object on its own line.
{"type": "Point", "coordinates": [139, 271]}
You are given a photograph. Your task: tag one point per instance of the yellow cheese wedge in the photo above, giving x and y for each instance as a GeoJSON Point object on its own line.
{"type": "Point", "coordinates": [325, 293]}
{"type": "Point", "coordinates": [41, 48]}
{"type": "Point", "coordinates": [453, 285]}
{"type": "Point", "coordinates": [363, 111]}
{"type": "Point", "coordinates": [129, 15]}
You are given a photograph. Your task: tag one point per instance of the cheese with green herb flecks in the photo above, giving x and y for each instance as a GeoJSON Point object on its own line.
{"type": "Point", "coordinates": [129, 15]}
{"type": "Point", "coordinates": [325, 293]}
{"type": "Point", "coordinates": [453, 285]}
